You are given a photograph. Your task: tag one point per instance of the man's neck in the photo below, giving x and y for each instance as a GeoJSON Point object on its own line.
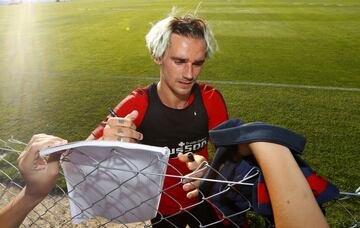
{"type": "Point", "coordinates": [169, 99]}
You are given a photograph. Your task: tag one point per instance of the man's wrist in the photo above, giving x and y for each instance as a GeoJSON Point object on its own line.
{"type": "Point", "coordinates": [31, 195]}
{"type": "Point", "coordinates": [16, 211]}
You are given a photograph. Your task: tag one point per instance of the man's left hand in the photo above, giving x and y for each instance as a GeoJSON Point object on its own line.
{"type": "Point", "coordinates": [193, 162]}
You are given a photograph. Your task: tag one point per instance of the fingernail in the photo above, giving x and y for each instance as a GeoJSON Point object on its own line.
{"type": "Point", "coordinates": [38, 167]}
{"type": "Point", "coordinates": [186, 187]}
{"type": "Point", "coordinates": [183, 180]}
{"type": "Point", "coordinates": [190, 156]}
{"type": "Point", "coordinates": [121, 121]}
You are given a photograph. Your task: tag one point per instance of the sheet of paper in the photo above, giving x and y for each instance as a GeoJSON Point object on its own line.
{"type": "Point", "coordinates": [118, 181]}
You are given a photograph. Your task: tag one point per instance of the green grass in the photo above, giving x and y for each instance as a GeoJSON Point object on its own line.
{"type": "Point", "coordinates": [61, 67]}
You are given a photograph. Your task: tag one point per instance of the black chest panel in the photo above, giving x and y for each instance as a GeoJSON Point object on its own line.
{"type": "Point", "coordinates": [181, 130]}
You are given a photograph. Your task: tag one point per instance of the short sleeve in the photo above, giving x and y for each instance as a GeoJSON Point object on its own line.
{"type": "Point", "coordinates": [214, 104]}
{"type": "Point", "coordinates": [137, 100]}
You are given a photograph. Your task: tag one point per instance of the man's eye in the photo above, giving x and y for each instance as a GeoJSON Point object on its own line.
{"type": "Point", "coordinates": [198, 64]}
{"type": "Point", "coordinates": [179, 62]}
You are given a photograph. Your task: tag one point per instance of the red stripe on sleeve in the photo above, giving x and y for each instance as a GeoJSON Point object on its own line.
{"type": "Point", "coordinates": [262, 193]}
{"type": "Point", "coordinates": [317, 184]}
{"type": "Point", "coordinates": [214, 104]}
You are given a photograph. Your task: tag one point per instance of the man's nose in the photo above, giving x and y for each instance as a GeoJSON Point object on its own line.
{"type": "Point", "coordinates": [188, 71]}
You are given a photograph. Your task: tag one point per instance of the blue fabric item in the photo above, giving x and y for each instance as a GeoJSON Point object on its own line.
{"type": "Point", "coordinates": [226, 137]}
{"type": "Point", "coordinates": [233, 132]}
{"type": "Point", "coordinates": [325, 193]}
{"type": "Point", "coordinates": [236, 198]}
{"type": "Point", "coordinates": [263, 209]}
{"type": "Point", "coordinates": [240, 197]}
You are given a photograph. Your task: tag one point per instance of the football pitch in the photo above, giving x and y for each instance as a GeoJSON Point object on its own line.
{"type": "Point", "coordinates": [295, 64]}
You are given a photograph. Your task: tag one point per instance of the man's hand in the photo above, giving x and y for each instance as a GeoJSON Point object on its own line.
{"type": "Point", "coordinates": [122, 129]}
{"type": "Point", "coordinates": [40, 175]}
{"type": "Point", "coordinates": [194, 163]}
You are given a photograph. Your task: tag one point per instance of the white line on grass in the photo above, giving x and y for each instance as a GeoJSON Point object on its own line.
{"type": "Point", "coordinates": [286, 85]}
{"type": "Point", "coordinates": [322, 4]}
{"type": "Point", "coordinates": [261, 84]}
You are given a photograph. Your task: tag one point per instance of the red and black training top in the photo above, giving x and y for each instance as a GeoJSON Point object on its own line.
{"type": "Point", "coordinates": [181, 130]}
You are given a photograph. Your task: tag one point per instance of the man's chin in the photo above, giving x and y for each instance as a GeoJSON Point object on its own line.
{"type": "Point", "coordinates": [186, 87]}
{"type": "Point", "coordinates": [185, 91]}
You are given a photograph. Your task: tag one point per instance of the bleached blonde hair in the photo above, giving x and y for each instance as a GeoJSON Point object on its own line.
{"type": "Point", "coordinates": [158, 38]}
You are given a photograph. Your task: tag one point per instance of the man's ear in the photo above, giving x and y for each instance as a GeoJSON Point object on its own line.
{"type": "Point", "coordinates": [157, 60]}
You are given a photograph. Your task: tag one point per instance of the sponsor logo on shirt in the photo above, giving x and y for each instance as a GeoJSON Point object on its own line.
{"type": "Point", "coordinates": [185, 147]}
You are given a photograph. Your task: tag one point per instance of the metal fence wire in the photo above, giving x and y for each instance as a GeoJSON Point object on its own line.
{"type": "Point", "coordinates": [54, 211]}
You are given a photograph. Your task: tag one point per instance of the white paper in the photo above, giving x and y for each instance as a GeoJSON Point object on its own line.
{"type": "Point", "coordinates": [118, 181]}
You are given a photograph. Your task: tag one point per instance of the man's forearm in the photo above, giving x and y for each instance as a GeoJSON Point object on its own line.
{"type": "Point", "coordinates": [16, 211]}
{"type": "Point", "coordinates": [292, 200]}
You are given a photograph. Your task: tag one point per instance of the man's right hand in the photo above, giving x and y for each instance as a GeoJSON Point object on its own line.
{"type": "Point", "coordinates": [122, 129]}
{"type": "Point", "coordinates": [40, 175]}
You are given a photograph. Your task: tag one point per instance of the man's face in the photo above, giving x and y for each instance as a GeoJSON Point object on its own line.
{"type": "Point", "coordinates": [181, 65]}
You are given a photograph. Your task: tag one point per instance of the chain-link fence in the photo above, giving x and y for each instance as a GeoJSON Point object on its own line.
{"type": "Point", "coordinates": [119, 189]}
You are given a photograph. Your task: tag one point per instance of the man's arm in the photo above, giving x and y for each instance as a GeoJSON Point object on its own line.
{"type": "Point", "coordinates": [40, 176]}
{"type": "Point", "coordinates": [292, 200]}
{"type": "Point", "coordinates": [16, 211]}
{"type": "Point", "coordinates": [91, 137]}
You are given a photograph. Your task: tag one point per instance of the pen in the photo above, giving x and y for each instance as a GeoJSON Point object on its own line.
{"type": "Point", "coordinates": [112, 112]}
